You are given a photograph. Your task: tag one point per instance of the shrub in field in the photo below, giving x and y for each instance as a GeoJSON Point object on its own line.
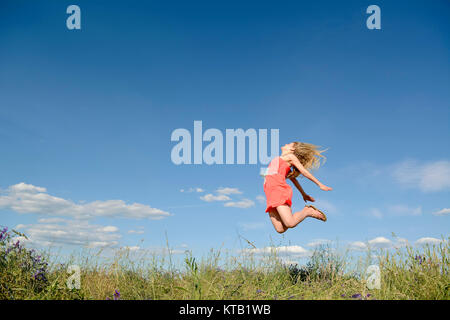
{"type": "Point", "coordinates": [21, 269]}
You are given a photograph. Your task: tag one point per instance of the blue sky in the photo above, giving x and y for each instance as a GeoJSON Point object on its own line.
{"type": "Point", "coordinates": [86, 117]}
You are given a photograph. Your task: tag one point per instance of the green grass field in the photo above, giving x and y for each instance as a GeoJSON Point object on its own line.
{"type": "Point", "coordinates": [406, 273]}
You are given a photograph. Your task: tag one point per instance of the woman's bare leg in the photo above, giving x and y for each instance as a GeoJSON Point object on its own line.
{"type": "Point", "coordinates": [276, 221]}
{"type": "Point", "coordinates": [291, 220]}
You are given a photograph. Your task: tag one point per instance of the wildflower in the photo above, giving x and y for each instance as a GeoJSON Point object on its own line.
{"type": "Point", "coordinates": [356, 295]}
{"type": "Point", "coordinates": [116, 295]}
{"type": "Point", "coordinates": [259, 291]}
{"type": "Point", "coordinates": [419, 259]}
{"type": "Point", "coordinates": [343, 295]}
{"type": "Point", "coordinates": [3, 233]}
{"type": "Point", "coordinates": [290, 297]}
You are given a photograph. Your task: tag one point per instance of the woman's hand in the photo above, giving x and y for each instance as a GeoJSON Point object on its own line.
{"type": "Point", "coordinates": [307, 197]}
{"type": "Point", "coordinates": [325, 188]}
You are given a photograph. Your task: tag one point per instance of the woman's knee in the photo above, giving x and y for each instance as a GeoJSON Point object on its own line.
{"type": "Point", "coordinates": [281, 230]}
{"type": "Point", "coordinates": [289, 223]}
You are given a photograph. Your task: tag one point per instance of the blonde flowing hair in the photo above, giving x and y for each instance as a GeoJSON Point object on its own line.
{"type": "Point", "coordinates": [309, 156]}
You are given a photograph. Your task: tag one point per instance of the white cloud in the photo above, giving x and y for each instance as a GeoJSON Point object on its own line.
{"type": "Point", "coordinates": [293, 251]}
{"type": "Point", "coordinates": [357, 246]}
{"type": "Point", "coordinates": [109, 229]}
{"type": "Point", "coordinates": [428, 177]}
{"type": "Point", "coordinates": [72, 232]}
{"type": "Point", "coordinates": [135, 231]}
{"type": "Point", "coordinates": [228, 191]}
{"type": "Point", "coordinates": [428, 241]}
{"type": "Point", "coordinates": [199, 190]}
{"type": "Point", "coordinates": [442, 212]}
{"type": "Point", "coordinates": [380, 243]}
{"type": "Point", "coordinates": [384, 243]}
{"type": "Point", "coordinates": [23, 187]}
{"type": "Point", "coordinates": [51, 220]}
{"type": "Point", "coordinates": [210, 197]}
{"type": "Point", "coordinates": [261, 199]}
{"type": "Point", "coordinates": [244, 203]}
{"type": "Point", "coordinates": [25, 198]}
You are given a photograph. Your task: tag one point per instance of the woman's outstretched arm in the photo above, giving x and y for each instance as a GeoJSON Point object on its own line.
{"type": "Point", "coordinates": [306, 173]}
{"type": "Point", "coordinates": [306, 196]}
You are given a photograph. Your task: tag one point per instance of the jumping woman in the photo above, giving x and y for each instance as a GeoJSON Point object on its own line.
{"type": "Point", "coordinates": [295, 159]}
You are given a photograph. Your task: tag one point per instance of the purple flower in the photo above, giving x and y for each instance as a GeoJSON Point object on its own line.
{"type": "Point", "coordinates": [419, 259]}
{"type": "Point", "coordinates": [259, 291]}
{"type": "Point", "coordinates": [356, 295]}
{"type": "Point", "coordinates": [290, 297]}
{"type": "Point", "coordinates": [343, 295]}
{"type": "Point", "coordinates": [3, 233]}
{"type": "Point", "coordinates": [116, 295]}
{"type": "Point", "coordinates": [368, 295]}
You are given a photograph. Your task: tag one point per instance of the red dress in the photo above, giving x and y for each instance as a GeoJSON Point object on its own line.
{"type": "Point", "coordinates": [277, 191]}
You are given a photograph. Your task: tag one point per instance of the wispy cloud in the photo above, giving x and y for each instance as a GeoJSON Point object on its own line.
{"type": "Point", "coordinates": [428, 177]}
{"type": "Point", "coordinates": [376, 213]}
{"type": "Point", "coordinates": [189, 190]}
{"type": "Point", "coordinates": [73, 233]}
{"type": "Point", "coordinates": [223, 194]}
{"type": "Point", "coordinates": [261, 199]}
{"type": "Point", "coordinates": [210, 197]}
{"type": "Point", "coordinates": [378, 243]}
{"type": "Point", "coordinates": [153, 251]}
{"type": "Point", "coordinates": [442, 212]}
{"type": "Point", "coordinates": [404, 210]}
{"type": "Point", "coordinates": [139, 230]}
{"type": "Point", "coordinates": [228, 191]}
{"type": "Point", "coordinates": [26, 198]}
{"type": "Point", "coordinates": [244, 203]}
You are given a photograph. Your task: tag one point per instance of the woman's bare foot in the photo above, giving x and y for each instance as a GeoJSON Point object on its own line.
{"type": "Point", "coordinates": [313, 212]}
